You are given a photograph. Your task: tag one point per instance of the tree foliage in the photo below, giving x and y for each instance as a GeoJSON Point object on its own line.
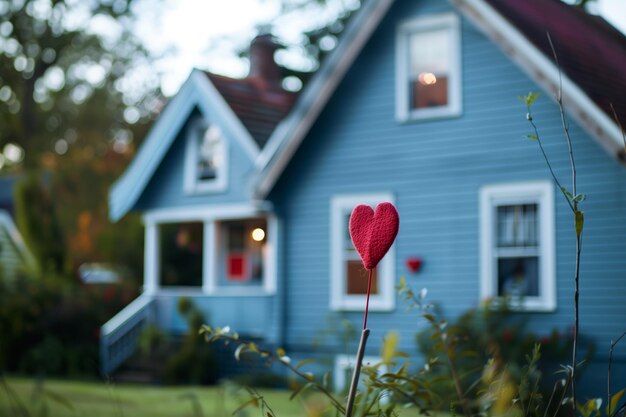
{"type": "Point", "coordinates": [65, 71]}
{"type": "Point", "coordinates": [75, 91]}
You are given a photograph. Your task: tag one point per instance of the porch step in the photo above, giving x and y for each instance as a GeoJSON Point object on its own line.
{"type": "Point", "coordinates": [143, 369]}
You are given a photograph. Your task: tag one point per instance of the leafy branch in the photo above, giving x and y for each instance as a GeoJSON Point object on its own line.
{"type": "Point", "coordinates": [573, 198]}
{"type": "Point", "coordinates": [439, 326]}
{"type": "Point", "coordinates": [278, 356]}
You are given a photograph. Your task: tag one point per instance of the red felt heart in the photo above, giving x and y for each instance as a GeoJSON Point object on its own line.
{"type": "Point", "coordinates": [373, 232]}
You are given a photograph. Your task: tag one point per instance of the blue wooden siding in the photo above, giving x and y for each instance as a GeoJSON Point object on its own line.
{"type": "Point", "coordinates": [249, 315]}
{"type": "Point", "coordinates": [165, 189]}
{"type": "Point", "coordinates": [435, 170]}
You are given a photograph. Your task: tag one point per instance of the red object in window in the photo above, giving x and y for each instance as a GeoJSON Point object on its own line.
{"type": "Point", "coordinates": [236, 267]}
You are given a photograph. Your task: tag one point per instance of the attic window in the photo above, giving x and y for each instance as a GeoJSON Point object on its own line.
{"type": "Point", "coordinates": [428, 68]}
{"type": "Point", "coordinates": [206, 160]}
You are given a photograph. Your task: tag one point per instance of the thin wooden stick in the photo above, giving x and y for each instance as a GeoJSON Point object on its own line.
{"type": "Point", "coordinates": [367, 300]}
{"type": "Point", "coordinates": [357, 371]}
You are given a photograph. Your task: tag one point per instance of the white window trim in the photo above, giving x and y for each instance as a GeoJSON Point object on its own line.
{"type": "Point", "coordinates": [209, 216]}
{"type": "Point", "coordinates": [541, 193]}
{"type": "Point", "coordinates": [344, 362]}
{"type": "Point", "coordinates": [339, 300]}
{"type": "Point", "coordinates": [191, 184]}
{"type": "Point", "coordinates": [447, 21]}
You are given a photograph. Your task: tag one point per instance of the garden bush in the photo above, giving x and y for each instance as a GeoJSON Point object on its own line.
{"type": "Point", "coordinates": [495, 335]}
{"type": "Point", "coordinates": [193, 362]}
{"type": "Point", "coordinates": [51, 327]}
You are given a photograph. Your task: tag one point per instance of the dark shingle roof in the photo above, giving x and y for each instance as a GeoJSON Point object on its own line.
{"type": "Point", "coordinates": [258, 105]}
{"type": "Point", "coordinates": [590, 51]}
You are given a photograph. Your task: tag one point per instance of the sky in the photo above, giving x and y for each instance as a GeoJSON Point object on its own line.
{"type": "Point", "coordinates": [207, 34]}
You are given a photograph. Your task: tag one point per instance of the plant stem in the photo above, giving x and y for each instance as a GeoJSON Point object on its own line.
{"type": "Point", "coordinates": [357, 371]}
{"type": "Point", "coordinates": [568, 139]}
{"type": "Point", "coordinates": [457, 383]}
{"type": "Point", "coordinates": [608, 378]}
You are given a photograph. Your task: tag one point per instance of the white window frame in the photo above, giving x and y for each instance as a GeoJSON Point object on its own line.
{"type": "Point", "coordinates": [385, 300]}
{"type": "Point", "coordinates": [210, 217]}
{"type": "Point", "coordinates": [450, 22]}
{"type": "Point", "coordinates": [542, 194]}
{"type": "Point", "coordinates": [191, 184]}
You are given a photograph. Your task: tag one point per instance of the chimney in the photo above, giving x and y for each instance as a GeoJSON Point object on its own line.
{"type": "Point", "coordinates": [263, 68]}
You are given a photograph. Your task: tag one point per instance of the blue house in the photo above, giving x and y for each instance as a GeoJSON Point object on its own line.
{"type": "Point", "coordinates": [246, 189]}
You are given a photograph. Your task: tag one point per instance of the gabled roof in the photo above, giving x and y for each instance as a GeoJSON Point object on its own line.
{"type": "Point", "coordinates": [592, 77]}
{"type": "Point", "coordinates": [591, 52]}
{"type": "Point", "coordinates": [196, 93]}
{"type": "Point", "coordinates": [259, 107]}
{"type": "Point", "coordinates": [288, 135]}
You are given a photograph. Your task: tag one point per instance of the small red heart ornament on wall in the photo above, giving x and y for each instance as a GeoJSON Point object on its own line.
{"type": "Point", "coordinates": [373, 232]}
{"type": "Point", "coordinates": [414, 264]}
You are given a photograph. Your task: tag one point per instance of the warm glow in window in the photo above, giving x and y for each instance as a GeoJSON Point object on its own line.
{"type": "Point", "coordinates": [429, 53]}
{"type": "Point", "coordinates": [242, 251]}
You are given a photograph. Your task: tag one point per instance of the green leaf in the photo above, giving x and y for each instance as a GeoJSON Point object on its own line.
{"type": "Point", "coordinates": [281, 352]}
{"type": "Point", "coordinates": [326, 380]}
{"type": "Point", "coordinates": [422, 294]}
{"type": "Point", "coordinates": [390, 344]}
{"type": "Point", "coordinates": [529, 98]}
{"type": "Point", "coordinates": [304, 362]}
{"type": "Point", "coordinates": [533, 137]}
{"type": "Point", "coordinates": [251, 402]}
{"type": "Point", "coordinates": [580, 221]}
{"type": "Point", "coordinates": [429, 317]}
{"type": "Point", "coordinates": [579, 198]}
{"type": "Point", "coordinates": [238, 351]}
{"type": "Point", "coordinates": [299, 390]}
{"type": "Point", "coordinates": [614, 402]}
{"type": "Point", "coordinates": [567, 194]}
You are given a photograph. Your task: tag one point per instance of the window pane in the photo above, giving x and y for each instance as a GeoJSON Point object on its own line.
{"type": "Point", "coordinates": [356, 279]}
{"type": "Point", "coordinates": [518, 277]}
{"type": "Point", "coordinates": [242, 251]}
{"type": "Point", "coordinates": [210, 154]}
{"type": "Point", "coordinates": [517, 226]}
{"type": "Point", "coordinates": [181, 254]}
{"type": "Point", "coordinates": [347, 239]}
{"type": "Point", "coordinates": [429, 68]}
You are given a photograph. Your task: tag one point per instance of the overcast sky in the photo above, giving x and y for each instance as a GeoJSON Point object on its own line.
{"type": "Point", "coordinates": [206, 34]}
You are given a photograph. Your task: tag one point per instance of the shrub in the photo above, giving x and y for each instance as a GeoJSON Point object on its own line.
{"type": "Point", "coordinates": [488, 340]}
{"type": "Point", "coordinates": [51, 327]}
{"type": "Point", "coordinates": [194, 361]}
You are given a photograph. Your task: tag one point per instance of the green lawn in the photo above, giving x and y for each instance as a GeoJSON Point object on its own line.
{"type": "Point", "coordinates": [92, 399]}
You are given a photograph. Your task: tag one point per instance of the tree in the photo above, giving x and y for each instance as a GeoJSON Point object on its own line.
{"type": "Point", "coordinates": [65, 72]}
{"type": "Point", "coordinates": [76, 88]}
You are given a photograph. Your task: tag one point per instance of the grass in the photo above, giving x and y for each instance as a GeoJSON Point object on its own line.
{"type": "Point", "coordinates": [54, 398]}
{"type": "Point", "coordinates": [21, 397]}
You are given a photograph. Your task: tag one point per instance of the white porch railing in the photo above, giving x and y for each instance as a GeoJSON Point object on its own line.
{"type": "Point", "coordinates": [118, 336]}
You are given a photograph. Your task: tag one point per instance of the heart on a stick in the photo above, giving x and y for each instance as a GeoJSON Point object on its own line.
{"type": "Point", "coordinates": [373, 232]}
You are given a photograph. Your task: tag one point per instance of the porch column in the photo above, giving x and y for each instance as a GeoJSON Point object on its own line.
{"type": "Point", "coordinates": [151, 259]}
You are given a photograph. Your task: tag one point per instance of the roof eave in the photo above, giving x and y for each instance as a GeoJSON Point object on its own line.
{"type": "Point", "coordinates": [288, 135]}
{"type": "Point", "coordinates": [546, 74]}
{"type": "Point", "coordinates": [197, 91]}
